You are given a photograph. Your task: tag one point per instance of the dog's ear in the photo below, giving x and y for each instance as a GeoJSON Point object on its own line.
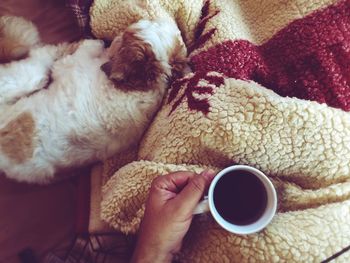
{"type": "Point", "coordinates": [144, 65]}
{"type": "Point", "coordinates": [179, 66]}
{"type": "Point", "coordinates": [178, 60]}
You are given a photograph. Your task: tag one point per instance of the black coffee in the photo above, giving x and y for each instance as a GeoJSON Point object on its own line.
{"type": "Point", "coordinates": [240, 197]}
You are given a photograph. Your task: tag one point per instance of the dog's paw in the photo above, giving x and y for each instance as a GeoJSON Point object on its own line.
{"type": "Point", "coordinates": [92, 48]}
{"type": "Point", "coordinates": [44, 54]}
{"type": "Point", "coordinates": [17, 37]}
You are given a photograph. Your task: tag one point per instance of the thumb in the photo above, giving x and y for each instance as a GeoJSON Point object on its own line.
{"type": "Point", "coordinates": [190, 195]}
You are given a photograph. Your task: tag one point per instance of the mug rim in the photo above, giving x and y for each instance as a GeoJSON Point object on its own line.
{"type": "Point", "coordinates": [268, 214]}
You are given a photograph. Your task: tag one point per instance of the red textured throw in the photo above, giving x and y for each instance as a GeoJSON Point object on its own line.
{"type": "Point", "coordinates": [308, 59]}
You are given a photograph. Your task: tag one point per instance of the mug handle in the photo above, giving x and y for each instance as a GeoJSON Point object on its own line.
{"type": "Point", "coordinates": [202, 206]}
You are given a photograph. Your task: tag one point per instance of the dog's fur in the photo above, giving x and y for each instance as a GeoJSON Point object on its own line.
{"type": "Point", "coordinates": [59, 110]}
{"type": "Point", "coordinates": [17, 37]}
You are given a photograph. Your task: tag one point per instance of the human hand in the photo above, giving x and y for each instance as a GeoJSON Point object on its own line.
{"type": "Point", "coordinates": [168, 214]}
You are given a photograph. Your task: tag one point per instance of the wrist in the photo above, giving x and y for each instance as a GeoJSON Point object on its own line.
{"type": "Point", "coordinates": [147, 254]}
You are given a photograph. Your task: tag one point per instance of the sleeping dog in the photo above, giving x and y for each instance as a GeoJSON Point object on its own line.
{"type": "Point", "coordinates": [68, 105]}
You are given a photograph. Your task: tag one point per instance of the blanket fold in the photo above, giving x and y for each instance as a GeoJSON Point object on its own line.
{"type": "Point", "coordinates": [270, 88]}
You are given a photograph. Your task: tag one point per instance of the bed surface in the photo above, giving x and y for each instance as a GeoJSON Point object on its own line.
{"type": "Point", "coordinates": [40, 218]}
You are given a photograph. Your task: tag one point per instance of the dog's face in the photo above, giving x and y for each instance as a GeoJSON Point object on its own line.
{"type": "Point", "coordinates": [147, 52]}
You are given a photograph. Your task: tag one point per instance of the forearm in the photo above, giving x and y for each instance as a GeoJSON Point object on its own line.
{"type": "Point", "coordinates": [149, 256]}
{"type": "Point", "coordinates": [145, 252]}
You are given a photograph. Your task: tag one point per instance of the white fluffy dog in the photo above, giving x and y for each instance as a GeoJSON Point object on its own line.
{"type": "Point", "coordinates": [59, 110]}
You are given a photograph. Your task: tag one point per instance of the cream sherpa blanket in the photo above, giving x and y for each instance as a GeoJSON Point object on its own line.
{"type": "Point", "coordinates": [270, 88]}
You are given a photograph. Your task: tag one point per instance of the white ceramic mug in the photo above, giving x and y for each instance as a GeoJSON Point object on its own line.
{"type": "Point", "coordinates": [208, 203]}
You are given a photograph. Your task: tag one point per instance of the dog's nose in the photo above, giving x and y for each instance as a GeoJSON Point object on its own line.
{"type": "Point", "coordinates": [107, 68]}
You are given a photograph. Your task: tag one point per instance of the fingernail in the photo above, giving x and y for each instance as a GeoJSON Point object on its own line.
{"type": "Point", "coordinates": [208, 173]}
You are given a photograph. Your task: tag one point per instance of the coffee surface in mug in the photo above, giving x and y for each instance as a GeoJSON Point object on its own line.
{"type": "Point", "coordinates": [240, 197]}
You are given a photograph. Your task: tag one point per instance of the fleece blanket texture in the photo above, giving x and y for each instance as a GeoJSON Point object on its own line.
{"type": "Point", "coordinates": [270, 88]}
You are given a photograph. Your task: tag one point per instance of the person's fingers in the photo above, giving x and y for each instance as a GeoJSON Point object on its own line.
{"type": "Point", "coordinates": [173, 182]}
{"type": "Point", "coordinates": [166, 187]}
{"type": "Point", "coordinates": [189, 197]}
